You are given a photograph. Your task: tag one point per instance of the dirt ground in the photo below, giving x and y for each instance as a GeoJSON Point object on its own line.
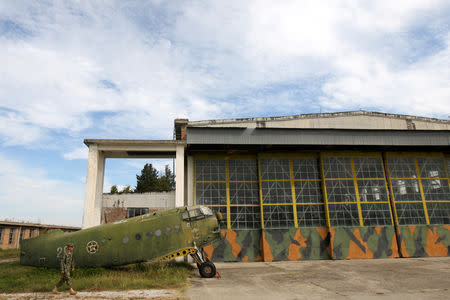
{"type": "Point", "coordinates": [412, 278]}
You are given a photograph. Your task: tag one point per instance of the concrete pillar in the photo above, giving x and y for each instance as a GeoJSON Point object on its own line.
{"type": "Point", "coordinates": [179, 185]}
{"type": "Point", "coordinates": [190, 180]}
{"type": "Point", "coordinates": [94, 188]}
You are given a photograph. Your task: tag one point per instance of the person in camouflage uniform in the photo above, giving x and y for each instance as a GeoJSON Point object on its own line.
{"type": "Point", "coordinates": [67, 265]}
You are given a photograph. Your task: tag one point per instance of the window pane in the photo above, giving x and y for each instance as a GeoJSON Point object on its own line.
{"type": "Point", "coordinates": [410, 213]}
{"type": "Point", "coordinates": [375, 214]}
{"type": "Point", "coordinates": [272, 168]}
{"type": "Point", "coordinates": [245, 217]}
{"type": "Point", "coordinates": [305, 168]}
{"type": "Point", "coordinates": [276, 192]}
{"type": "Point", "coordinates": [210, 170]}
{"type": "Point", "coordinates": [372, 190]}
{"type": "Point", "coordinates": [244, 193]}
{"type": "Point", "coordinates": [340, 191]}
{"type": "Point", "coordinates": [243, 170]}
{"type": "Point", "coordinates": [337, 167]}
{"type": "Point", "coordinates": [439, 213]}
{"type": "Point", "coordinates": [308, 192]}
{"type": "Point", "coordinates": [406, 190]}
{"type": "Point", "coordinates": [311, 215]}
{"type": "Point", "coordinates": [436, 189]}
{"type": "Point", "coordinates": [343, 214]}
{"type": "Point", "coordinates": [402, 167]}
{"type": "Point", "coordinates": [278, 216]}
{"type": "Point", "coordinates": [431, 167]}
{"type": "Point", "coordinates": [368, 167]}
{"type": "Point", "coordinates": [211, 193]}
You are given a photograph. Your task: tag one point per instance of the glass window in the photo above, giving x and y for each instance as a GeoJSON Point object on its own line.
{"type": "Point", "coordinates": [275, 168]}
{"type": "Point", "coordinates": [311, 215]}
{"type": "Point", "coordinates": [278, 216]}
{"type": "Point", "coordinates": [245, 217]}
{"type": "Point", "coordinates": [22, 233]}
{"type": "Point", "coordinates": [276, 192]}
{"type": "Point", "coordinates": [368, 167]}
{"type": "Point", "coordinates": [305, 168]}
{"type": "Point", "coordinates": [211, 193]}
{"type": "Point", "coordinates": [343, 214]}
{"type": "Point", "coordinates": [12, 232]}
{"type": "Point", "coordinates": [1, 235]}
{"type": "Point", "coordinates": [337, 167]}
{"type": "Point", "coordinates": [210, 170]}
{"type": "Point", "coordinates": [439, 212]}
{"type": "Point", "coordinates": [136, 211]}
{"type": "Point", "coordinates": [431, 167]}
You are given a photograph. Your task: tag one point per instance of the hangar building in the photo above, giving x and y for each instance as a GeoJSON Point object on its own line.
{"type": "Point", "coordinates": [343, 185]}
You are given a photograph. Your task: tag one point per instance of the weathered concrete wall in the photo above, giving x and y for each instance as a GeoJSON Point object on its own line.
{"type": "Point", "coordinates": [344, 120]}
{"type": "Point", "coordinates": [115, 205]}
{"type": "Point", "coordinates": [163, 200]}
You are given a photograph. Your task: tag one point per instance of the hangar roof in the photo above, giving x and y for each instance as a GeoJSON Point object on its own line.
{"type": "Point", "coordinates": [360, 119]}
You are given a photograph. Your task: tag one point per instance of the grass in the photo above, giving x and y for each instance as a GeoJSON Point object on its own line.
{"type": "Point", "coordinates": [16, 278]}
{"type": "Point", "coordinates": [9, 253]}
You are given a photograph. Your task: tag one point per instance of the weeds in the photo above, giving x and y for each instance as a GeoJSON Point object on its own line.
{"type": "Point", "coordinates": [9, 253]}
{"type": "Point", "coordinates": [17, 278]}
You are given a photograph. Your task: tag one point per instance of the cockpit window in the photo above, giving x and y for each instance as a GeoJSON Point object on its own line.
{"type": "Point", "coordinates": [206, 211]}
{"type": "Point", "coordinates": [197, 213]}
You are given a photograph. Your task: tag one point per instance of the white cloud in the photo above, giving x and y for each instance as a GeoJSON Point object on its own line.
{"type": "Point", "coordinates": [79, 153]}
{"type": "Point", "coordinates": [205, 60]}
{"type": "Point", "coordinates": [28, 192]}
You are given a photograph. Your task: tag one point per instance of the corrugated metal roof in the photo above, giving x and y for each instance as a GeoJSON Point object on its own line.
{"type": "Point", "coordinates": [275, 136]}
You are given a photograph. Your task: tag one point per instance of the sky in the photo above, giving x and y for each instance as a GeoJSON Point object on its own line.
{"type": "Point", "coordinates": [71, 70]}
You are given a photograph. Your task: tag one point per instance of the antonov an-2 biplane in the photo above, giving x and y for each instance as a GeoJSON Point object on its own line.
{"type": "Point", "coordinates": [152, 237]}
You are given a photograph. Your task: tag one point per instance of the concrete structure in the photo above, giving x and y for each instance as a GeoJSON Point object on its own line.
{"type": "Point", "coordinates": [120, 206]}
{"type": "Point", "coordinates": [99, 150]}
{"type": "Point", "coordinates": [12, 232]}
{"type": "Point", "coordinates": [314, 186]}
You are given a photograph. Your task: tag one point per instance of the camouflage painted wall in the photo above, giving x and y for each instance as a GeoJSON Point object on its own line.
{"type": "Point", "coordinates": [295, 244]}
{"type": "Point", "coordinates": [363, 242]}
{"type": "Point", "coordinates": [236, 245]}
{"type": "Point", "coordinates": [305, 243]}
{"type": "Point", "coordinates": [424, 240]}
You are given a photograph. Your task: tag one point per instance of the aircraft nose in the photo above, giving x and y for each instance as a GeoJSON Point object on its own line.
{"type": "Point", "coordinates": [219, 216]}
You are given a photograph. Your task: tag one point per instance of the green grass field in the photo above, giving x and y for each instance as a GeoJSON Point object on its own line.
{"type": "Point", "coordinates": [9, 253]}
{"type": "Point", "coordinates": [16, 278]}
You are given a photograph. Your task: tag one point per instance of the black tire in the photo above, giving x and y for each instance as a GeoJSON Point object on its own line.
{"type": "Point", "coordinates": [207, 270]}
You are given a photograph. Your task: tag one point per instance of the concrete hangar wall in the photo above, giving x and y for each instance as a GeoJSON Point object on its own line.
{"type": "Point", "coordinates": [321, 186]}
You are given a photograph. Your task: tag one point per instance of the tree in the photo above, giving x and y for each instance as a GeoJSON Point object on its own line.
{"type": "Point", "coordinates": [114, 190]}
{"type": "Point", "coordinates": [127, 190]}
{"type": "Point", "coordinates": [167, 181]}
{"type": "Point", "coordinates": [148, 181]}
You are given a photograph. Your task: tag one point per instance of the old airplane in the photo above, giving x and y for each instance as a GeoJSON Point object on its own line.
{"type": "Point", "coordinates": [152, 237]}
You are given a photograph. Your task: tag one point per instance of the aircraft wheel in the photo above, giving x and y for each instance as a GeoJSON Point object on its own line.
{"type": "Point", "coordinates": [207, 269]}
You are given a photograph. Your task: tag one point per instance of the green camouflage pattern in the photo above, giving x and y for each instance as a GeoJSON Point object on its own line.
{"type": "Point", "coordinates": [363, 242]}
{"type": "Point", "coordinates": [144, 238]}
{"type": "Point", "coordinates": [236, 245]}
{"type": "Point", "coordinates": [295, 244]}
{"type": "Point", "coordinates": [305, 244]}
{"type": "Point", "coordinates": [424, 240]}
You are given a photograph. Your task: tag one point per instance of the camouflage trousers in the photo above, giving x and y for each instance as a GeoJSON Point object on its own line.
{"type": "Point", "coordinates": [65, 278]}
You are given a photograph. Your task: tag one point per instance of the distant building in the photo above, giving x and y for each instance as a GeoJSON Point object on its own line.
{"type": "Point", "coordinates": [344, 185]}
{"type": "Point", "coordinates": [12, 232]}
{"type": "Point", "coordinates": [117, 207]}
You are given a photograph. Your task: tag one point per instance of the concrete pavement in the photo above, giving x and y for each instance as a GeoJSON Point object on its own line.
{"type": "Point", "coordinates": [412, 278]}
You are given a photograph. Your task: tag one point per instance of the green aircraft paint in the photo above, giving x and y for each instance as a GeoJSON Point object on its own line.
{"type": "Point", "coordinates": [151, 237]}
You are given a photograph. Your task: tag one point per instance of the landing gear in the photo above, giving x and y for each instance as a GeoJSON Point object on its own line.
{"type": "Point", "coordinates": [205, 267]}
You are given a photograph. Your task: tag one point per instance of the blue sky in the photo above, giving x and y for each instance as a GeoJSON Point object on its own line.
{"type": "Point", "coordinates": [71, 70]}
